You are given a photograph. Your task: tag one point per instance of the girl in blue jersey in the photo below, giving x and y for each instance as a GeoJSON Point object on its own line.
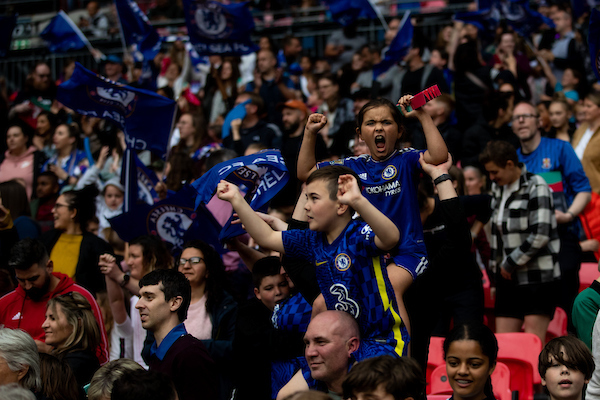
{"type": "Point", "coordinates": [389, 177]}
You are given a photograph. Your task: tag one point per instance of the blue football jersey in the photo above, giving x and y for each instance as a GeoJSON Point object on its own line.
{"type": "Point", "coordinates": [352, 278]}
{"type": "Point", "coordinates": [391, 186]}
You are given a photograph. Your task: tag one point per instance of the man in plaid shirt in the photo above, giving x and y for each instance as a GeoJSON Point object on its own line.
{"type": "Point", "coordinates": [524, 243]}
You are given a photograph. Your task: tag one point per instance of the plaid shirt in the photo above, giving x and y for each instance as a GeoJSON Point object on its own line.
{"type": "Point", "coordinates": [528, 244]}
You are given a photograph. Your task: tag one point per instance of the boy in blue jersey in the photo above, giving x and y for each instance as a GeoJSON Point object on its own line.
{"type": "Point", "coordinates": [346, 253]}
{"type": "Point", "coordinates": [389, 177]}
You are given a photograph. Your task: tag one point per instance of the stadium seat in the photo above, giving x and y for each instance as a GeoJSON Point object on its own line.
{"type": "Point", "coordinates": [489, 299]}
{"type": "Point", "coordinates": [435, 358]}
{"type": "Point", "coordinates": [440, 385]}
{"type": "Point", "coordinates": [520, 352]}
{"type": "Point", "coordinates": [588, 273]}
{"type": "Point", "coordinates": [437, 397]}
{"type": "Point", "coordinates": [558, 325]}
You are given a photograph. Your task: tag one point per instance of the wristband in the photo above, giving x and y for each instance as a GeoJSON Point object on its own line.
{"type": "Point", "coordinates": [442, 178]}
{"type": "Point", "coordinates": [126, 278]}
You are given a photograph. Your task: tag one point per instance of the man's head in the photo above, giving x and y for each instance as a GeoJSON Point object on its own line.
{"type": "Point", "coordinates": [331, 338]}
{"type": "Point", "coordinates": [32, 266]}
{"type": "Point", "coordinates": [266, 61]}
{"type": "Point", "coordinates": [385, 377]}
{"type": "Point", "coordinates": [256, 105]}
{"type": "Point", "coordinates": [41, 76]}
{"type": "Point", "coordinates": [392, 31]}
{"type": "Point", "coordinates": [293, 114]}
{"type": "Point", "coordinates": [164, 294]}
{"type": "Point", "coordinates": [92, 8]}
{"type": "Point", "coordinates": [563, 22]}
{"type": "Point", "coordinates": [292, 46]}
{"type": "Point", "coordinates": [113, 67]}
{"type": "Point", "coordinates": [501, 161]}
{"type": "Point", "coordinates": [323, 207]}
{"type": "Point", "coordinates": [525, 122]}
{"type": "Point", "coordinates": [270, 286]}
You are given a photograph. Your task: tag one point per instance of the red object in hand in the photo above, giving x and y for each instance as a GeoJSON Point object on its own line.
{"type": "Point", "coordinates": [419, 99]}
{"type": "Point", "coordinates": [423, 97]}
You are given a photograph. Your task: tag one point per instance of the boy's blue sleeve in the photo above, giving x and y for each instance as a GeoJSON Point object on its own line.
{"type": "Point", "coordinates": [297, 243]}
{"type": "Point", "coordinates": [364, 241]}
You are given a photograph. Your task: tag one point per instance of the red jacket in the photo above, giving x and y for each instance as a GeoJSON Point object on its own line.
{"type": "Point", "coordinates": [19, 311]}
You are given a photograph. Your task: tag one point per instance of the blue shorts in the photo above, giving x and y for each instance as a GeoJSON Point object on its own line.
{"type": "Point", "coordinates": [412, 263]}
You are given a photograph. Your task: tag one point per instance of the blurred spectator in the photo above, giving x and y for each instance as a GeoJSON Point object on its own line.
{"type": "Point", "coordinates": [21, 161]}
{"type": "Point", "coordinates": [440, 109]}
{"type": "Point", "coordinates": [95, 23]}
{"type": "Point", "coordinates": [221, 89]}
{"type": "Point", "coordinates": [336, 108]}
{"type": "Point", "coordinates": [19, 359]}
{"type": "Point", "coordinates": [147, 385]}
{"type": "Point", "coordinates": [341, 46]}
{"type": "Point", "coordinates": [68, 163]}
{"type": "Point", "coordinates": [114, 69]}
{"type": "Point", "coordinates": [164, 10]}
{"type": "Point", "coordinates": [42, 139]}
{"type": "Point", "coordinates": [586, 140]}
{"type": "Point", "coordinates": [102, 383]}
{"type": "Point", "coordinates": [37, 95]}
{"type": "Point", "coordinates": [14, 198]}
{"type": "Point", "coordinates": [58, 379]}
{"type": "Point", "coordinates": [46, 193]}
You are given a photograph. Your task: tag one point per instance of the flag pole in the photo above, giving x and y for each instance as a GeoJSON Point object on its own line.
{"type": "Point", "coordinates": [379, 14]}
{"type": "Point", "coordinates": [81, 36]}
{"type": "Point", "coordinates": [121, 35]}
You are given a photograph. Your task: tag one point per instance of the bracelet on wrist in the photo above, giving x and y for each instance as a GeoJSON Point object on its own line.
{"type": "Point", "coordinates": [442, 178]}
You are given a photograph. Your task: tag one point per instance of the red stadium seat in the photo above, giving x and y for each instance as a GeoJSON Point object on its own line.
{"type": "Point", "coordinates": [435, 358]}
{"type": "Point", "coordinates": [520, 352]}
{"type": "Point", "coordinates": [437, 397]}
{"type": "Point", "coordinates": [558, 325]}
{"type": "Point", "coordinates": [588, 273]}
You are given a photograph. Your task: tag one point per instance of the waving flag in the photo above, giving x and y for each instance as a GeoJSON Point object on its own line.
{"type": "Point", "coordinates": [594, 41]}
{"type": "Point", "coordinates": [345, 12]}
{"type": "Point", "coordinates": [521, 18]}
{"type": "Point", "coordinates": [7, 25]}
{"type": "Point", "coordinates": [146, 117]}
{"type": "Point", "coordinates": [261, 176]}
{"type": "Point", "coordinates": [175, 220]}
{"type": "Point", "coordinates": [63, 35]}
{"type": "Point", "coordinates": [216, 28]}
{"type": "Point", "coordinates": [398, 48]}
{"type": "Point", "coordinates": [137, 30]}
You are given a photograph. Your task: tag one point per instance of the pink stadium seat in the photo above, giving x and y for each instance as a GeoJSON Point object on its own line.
{"type": "Point", "coordinates": [437, 397]}
{"type": "Point", "coordinates": [520, 351]}
{"type": "Point", "coordinates": [587, 274]}
{"type": "Point", "coordinates": [435, 358]}
{"type": "Point", "coordinates": [440, 384]}
{"type": "Point", "coordinates": [489, 300]}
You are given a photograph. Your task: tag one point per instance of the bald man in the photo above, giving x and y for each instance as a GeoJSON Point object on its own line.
{"type": "Point", "coordinates": [331, 339]}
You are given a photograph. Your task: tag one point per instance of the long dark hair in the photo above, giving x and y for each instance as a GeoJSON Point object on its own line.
{"type": "Point", "coordinates": [481, 334]}
{"type": "Point", "coordinates": [155, 253]}
{"type": "Point", "coordinates": [216, 279]}
{"type": "Point", "coordinates": [84, 201]}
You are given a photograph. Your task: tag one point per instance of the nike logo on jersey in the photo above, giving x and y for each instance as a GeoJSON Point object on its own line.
{"type": "Point", "coordinates": [321, 263]}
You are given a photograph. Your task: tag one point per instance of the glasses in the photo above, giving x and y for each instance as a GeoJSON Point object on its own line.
{"type": "Point", "coordinates": [58, 205]}
{"type": "Point", "coordinates": [524, 116]}
{"type": "Point", "coordinates": [192, 260]}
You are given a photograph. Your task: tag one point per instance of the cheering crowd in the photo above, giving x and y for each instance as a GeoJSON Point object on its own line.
{"type": "Point", "coordinates": [391, 220]}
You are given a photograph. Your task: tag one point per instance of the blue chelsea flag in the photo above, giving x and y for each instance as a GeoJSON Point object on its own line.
{"type": "Point", "coordinates": [216, 28]}
{"type": "Point", "coordinates": [63, 35]}
{"type": "Point", "coordinates": [137, 30]}
{"type": "Point", "coordinates": [398, 48]}
{"type": "Point", "coordinates": [146, 117]}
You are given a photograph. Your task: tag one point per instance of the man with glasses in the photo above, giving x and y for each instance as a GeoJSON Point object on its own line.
{"type": "Point", "coordinates": [25, 307]}
{"type": "Point", "coordinates": [556, 161]}
{"type": "Point", "coordinates": [37, 95]}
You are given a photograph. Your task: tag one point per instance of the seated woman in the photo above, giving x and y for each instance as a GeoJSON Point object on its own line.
{"type": "Point", "coordinates": [19, 359]}
{"type": "Point", "coordinates": [73, 332]}
{"type": "Point", "coordinates": [470, 351]}
{"type": "Point", "coordinates": [75, 251]}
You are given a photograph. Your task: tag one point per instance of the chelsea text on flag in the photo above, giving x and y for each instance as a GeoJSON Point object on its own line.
{"type": "Point", "coordinates": [216, 28]}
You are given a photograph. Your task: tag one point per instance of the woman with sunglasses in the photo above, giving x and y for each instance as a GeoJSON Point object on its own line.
{"type": "Point", "coordinates": [212, 312]}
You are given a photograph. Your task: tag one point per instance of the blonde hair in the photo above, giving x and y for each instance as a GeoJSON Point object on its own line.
{"type": "Point", "coordinates": [102, 383]}
{"type": "Point", "coordinates": [78, 312]}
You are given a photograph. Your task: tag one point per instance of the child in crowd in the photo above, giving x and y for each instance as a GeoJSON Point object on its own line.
{"type": "Point", "coordinates": [257, 343]}
{"type": "Point", "coordinates": [566, 366]}
{"type": "Point", "coordinates": [385, 377]}
{"type": "Point", "coordinates": [46, 192]}
{"type": "Point", "coordinates": [344, 251]}
{"type": "Point", "coordinates": [389, 177]}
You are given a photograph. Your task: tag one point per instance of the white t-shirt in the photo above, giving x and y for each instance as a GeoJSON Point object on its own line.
{"type": "Point", "coordinates": [139, 333]}
{"type": "Point", "coordinates": [585, 139]}
{"type": "Point", "coordinates": [121, 340]}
